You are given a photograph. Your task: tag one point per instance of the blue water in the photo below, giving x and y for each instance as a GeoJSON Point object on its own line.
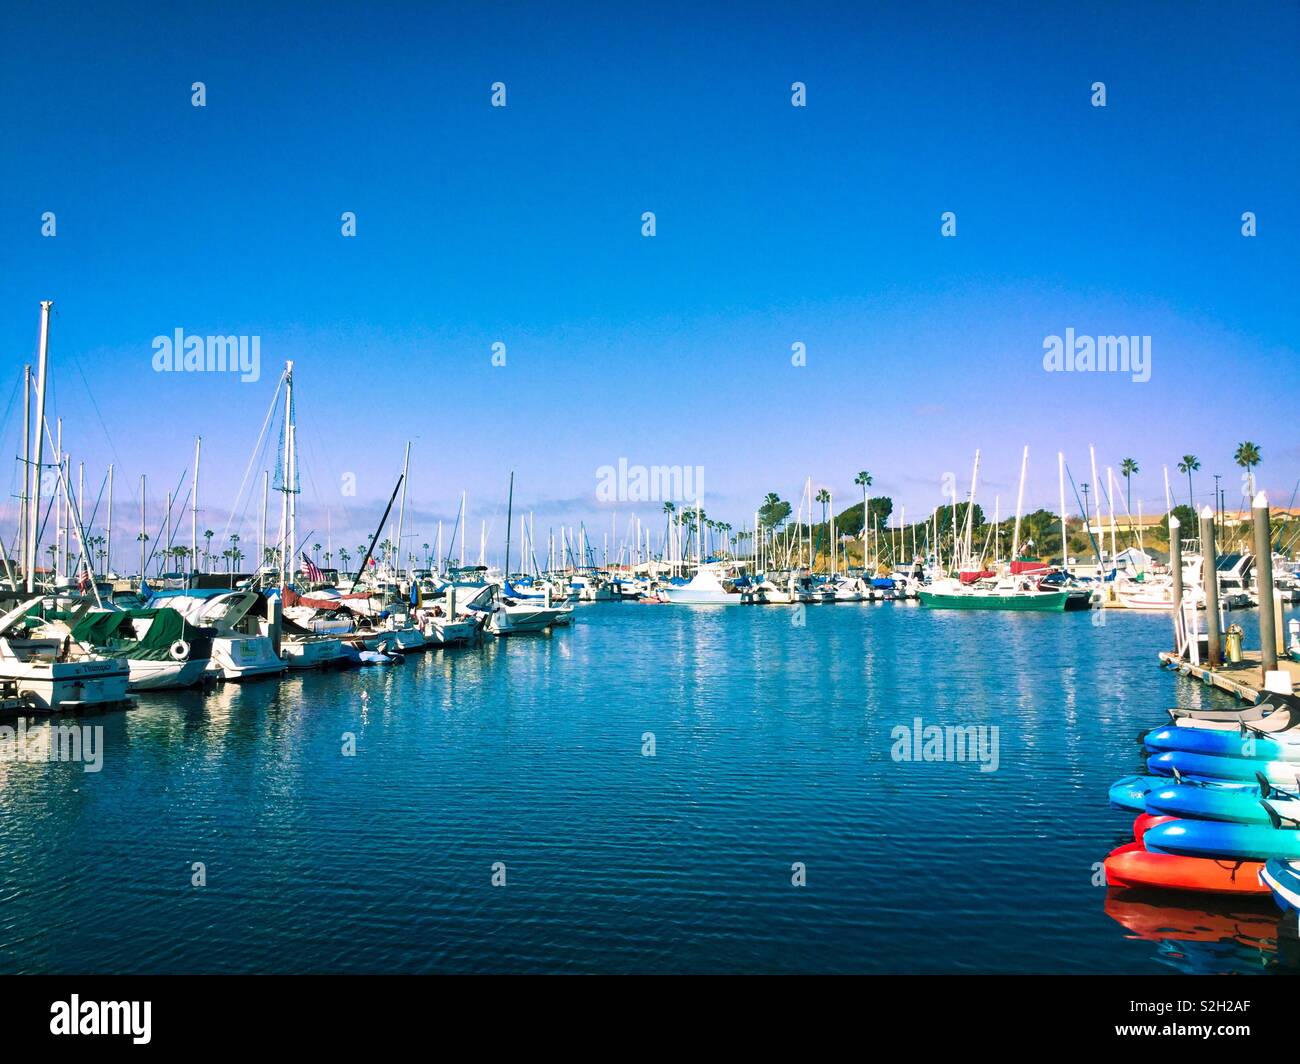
{"type": "Point", "coordinates": [772, 746]}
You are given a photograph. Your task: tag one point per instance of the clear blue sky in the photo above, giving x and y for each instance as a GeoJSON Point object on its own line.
{"type": "Point", "coordinates": [775, 224]}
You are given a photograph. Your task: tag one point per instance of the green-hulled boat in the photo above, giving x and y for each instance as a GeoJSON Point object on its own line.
{"type": "Point", "coordinates": [1007, 594]}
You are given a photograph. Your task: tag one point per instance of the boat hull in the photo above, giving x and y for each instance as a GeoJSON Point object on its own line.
{"type": "Point", "coordinates": [163, 675]}
{"type": "Point", "coordinates": [1049, 602]}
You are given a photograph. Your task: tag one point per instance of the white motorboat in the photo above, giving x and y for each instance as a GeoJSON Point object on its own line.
{"type": "Point", "coordinates": [241, 643]}
{"type": "Point", "coordinates": [50, 674]}
{"type": "Point", "coordinates": [707, 588]}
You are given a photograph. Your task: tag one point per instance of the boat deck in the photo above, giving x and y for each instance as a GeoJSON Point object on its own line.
{"type": "Point", "coordinates": [1245, 679]}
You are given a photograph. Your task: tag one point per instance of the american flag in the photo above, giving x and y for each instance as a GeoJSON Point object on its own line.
{"type": "Point", "coordinates": [84, 580]}
{"type": "Point", "coordinates": [311, 569]}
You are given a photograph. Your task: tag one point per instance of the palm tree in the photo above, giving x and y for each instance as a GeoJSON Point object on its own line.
{"type": "Point", "coordinates": [1248, 457]}
{"type": "Point", "coordinates": [426, 555]}
{"type": "Point", "coordinates": [207, 535]}
{"type": "Point", "coordinates": [864, 479]}
{"type": "Point", "coordinates": [234, 549]}
{"type": "Point", "coordinates": [1189, 465]}
{"type": "Point", "coordinates": [1127, 468]}
{"type": "Point", "coordinates": [315, 549]}
{"type": "Point", "coordinates": [344, 556]}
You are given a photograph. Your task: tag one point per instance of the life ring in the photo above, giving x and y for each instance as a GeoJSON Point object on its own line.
{"type": "Point", "coordinates": [179, 650]}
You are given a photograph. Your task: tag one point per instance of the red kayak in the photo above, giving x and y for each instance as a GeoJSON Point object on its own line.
{"type": "Point", "coordinates": [1132, 866]}
{"type": "Point", "coordinates": [1145, 822]}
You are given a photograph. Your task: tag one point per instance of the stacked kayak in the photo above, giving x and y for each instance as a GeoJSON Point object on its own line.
{"type": "Point", "coordinates": [1220, 806]}
{"type": "Point", "coordinates": [1134, 865]}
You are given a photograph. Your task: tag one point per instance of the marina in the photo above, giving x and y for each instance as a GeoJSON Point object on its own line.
{"type": "Point", "coordinates": [420, 697]}
{"type": "Point", "coordinates": [707, 491]}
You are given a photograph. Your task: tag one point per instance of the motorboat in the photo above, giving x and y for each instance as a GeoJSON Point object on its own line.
{"type": "Point", "coordinates": [708, 588]}
{"type": "Point", "coordinates": [52, 673]}
{"type": "Point", "coordinates": [161, 649]}
{"type": "Point", "coordinates": [241, 642]}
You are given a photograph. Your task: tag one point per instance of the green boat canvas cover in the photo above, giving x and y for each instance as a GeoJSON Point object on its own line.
{"type": "Point", "coordinates": [115, 632]}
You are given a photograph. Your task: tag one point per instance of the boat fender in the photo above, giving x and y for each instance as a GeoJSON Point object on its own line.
{"type": "Point", "coordinates": [179, 650]}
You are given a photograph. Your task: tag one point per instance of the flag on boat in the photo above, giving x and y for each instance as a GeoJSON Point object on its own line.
{"type": "Point", "coordinates": [312, 569]}
{"type": "Point", "coordinates": [83, 580]}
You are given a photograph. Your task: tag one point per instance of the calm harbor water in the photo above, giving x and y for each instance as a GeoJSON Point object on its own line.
{"type": "Point", "coordinates": [772, 746]}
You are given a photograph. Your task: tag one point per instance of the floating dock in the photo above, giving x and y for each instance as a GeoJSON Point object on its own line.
{"type": "Point", "coordinates": [1245, 678]}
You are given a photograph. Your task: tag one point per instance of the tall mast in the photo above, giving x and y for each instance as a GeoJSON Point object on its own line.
{"type": "Point", "coordinates": [261, 539]}
{"type": "Point", "coordinates": [27, 464]}
{"type": "Point", "coordinates": [1020, 504]}
{"type": "Point", "coordinates": [108, 536]}
{"type": "Point", "coordinates": [58, 502]}
{"type": "Point", "coordinates": [464, 520]}
{"type": "Point", "coordinates": [286, 486]}
{"type": "Point", "coordinates": [33, 513]}
{"type": "Point", "coordinates": [1065, 536]}
{"type": "Point", "coordinates": [510, 510]}
{"type": "Point", "coordinates": [194, 507]}
{"type": "Point", "coordinates": [970, 509]}
{"type": "Point", "coordinates": [401, 507]}
{"type": "Point", "coordinates": [143, 533]}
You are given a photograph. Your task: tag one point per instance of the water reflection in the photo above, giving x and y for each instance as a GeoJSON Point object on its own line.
{"type": "Point", "coordinates": [1206, 936]}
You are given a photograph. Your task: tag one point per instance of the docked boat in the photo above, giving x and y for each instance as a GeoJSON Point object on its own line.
{"type": "Point", "coordinates": [52, 673]}
{"type": "Point", "coordinates": [1005, 593]}
{"type": "Point", "coordinates": [707, 588]}
{"type": "Point", "coordinates": [160, 648]}
{"type": "Point", "coordinates": [241, 643]}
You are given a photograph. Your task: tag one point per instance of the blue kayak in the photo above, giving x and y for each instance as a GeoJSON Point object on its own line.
{"type": "Point", "coordinates": [1234, 842]}
{"type": "Point", "coordinates": [1217, 742]}
{"type": "Point", "coordinates": [1242, 770]}
{"type": "Point", "coordinates": [1240, 805]}
{"type": "Point", "coordinates": [1131, 792]}
{"type": "Point", "coordinates": [1283, 879]}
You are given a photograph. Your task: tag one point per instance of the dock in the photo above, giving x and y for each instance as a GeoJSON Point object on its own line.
{"type": "Point", "coordinates": [1245, 678]}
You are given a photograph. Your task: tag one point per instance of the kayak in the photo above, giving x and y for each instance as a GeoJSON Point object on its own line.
{"type": "Point", "coordinates": [1131, 792]}
{"type": "Point", "coordinates": [1211, 838]}
{"type": "Point", "coordinates": [1237, 769]}
{"type": "Point", "coordinates": [1222, 743]}
{"type": "Point", "coordinates": [1283, 879]}
{"type": "Point", "coordinates": [1241, 806]}
{"type": "Point", "coordinates": [1133, 866]}
{"type": "Point", "coordinates": [1145, 822]}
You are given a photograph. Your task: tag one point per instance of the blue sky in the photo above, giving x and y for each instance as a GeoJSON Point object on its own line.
{"type": "Point", "coordinates": [776, 224]}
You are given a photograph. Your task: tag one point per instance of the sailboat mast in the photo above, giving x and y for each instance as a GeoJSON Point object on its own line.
{"type": "Point", "coordinates": [510, 510]}
{"type": "Point", "coordinates": [1020, 504]}
{"type": "Point", "coordinates": [261, 538]}
{"type": "Point", "coordinates": [143, 533]}
{"type": "Point", "coordinates": [27, 463]}
{"type": "Point", "coordinates": [1065, 535]}
{"type": "Point", "coordinates": [33, 513]}
{"type": "Point", "coordinates": [401, 508]}
{"type": "Point", "coordinates": [108, 532]}
{"type": "Point", "coordinates": [194, 507]}
{"type": "Point", "coordinates": [970, 509]}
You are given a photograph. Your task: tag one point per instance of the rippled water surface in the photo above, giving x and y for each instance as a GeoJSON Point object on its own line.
{"type": "Point", "coordinates": [772, 747]}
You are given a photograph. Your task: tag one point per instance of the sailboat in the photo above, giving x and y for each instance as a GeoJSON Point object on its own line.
{"type": "Point", "coordinates": [51, 673]}
{"type": "Point", "coordinates": [504, 614]}
{"type": "Point", "coordinates": [1014, 590]}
